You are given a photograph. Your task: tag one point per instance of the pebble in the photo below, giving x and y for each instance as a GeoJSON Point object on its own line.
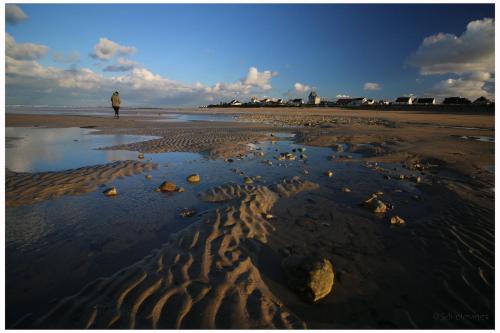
{"type": "Point", "coordinates": [248, 180]}
{"type": "Point", "coordinates": [149, 177]}
{"type": "Point", "coordinates": [194, 178]}
{"type": "Point", "coordinates": [396, 220]}
{"type": "Point", "coordinates": [140, 156]}
{"type": "Point", "coordinates": [346, 189]}
{"type": "Point", "coordinates": [329, 173]}
{"type": "Point", "coordinates": [110, 191]}
{"type": "Point", "coordinates": [167, 186]}
{"type": "Point", "coordinates": [186, 212]}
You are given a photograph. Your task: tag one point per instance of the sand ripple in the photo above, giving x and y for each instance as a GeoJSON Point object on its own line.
{"type": "Point", "coordinates": [205, 277]}
{"type": "Point", "coordinates": [27, 188]}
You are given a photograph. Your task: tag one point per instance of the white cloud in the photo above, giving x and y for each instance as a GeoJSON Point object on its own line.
{"type": "Point", "coordinates": [342, 96]}
{"type": "Point", "coordinates": [14, 14]}
{"type": "Point", "coordinates": [70, 58]}
{"type": "Point", "coordinates": [371, 86]}
{"type": "Point", "coordinates": [473, 51]}
{"type": "Point", "coordinates": [259, 79]}
{"type": "Point", "coordinates": [107, 49]}
{"type": "Point", "coordinates": [23, 51]}
{"type": "Point", "coordinates": [301, 88]}
{"type": "Point", "coordinates": [123, 65]}
{"type": "Point", "coordinates": [470, 88]}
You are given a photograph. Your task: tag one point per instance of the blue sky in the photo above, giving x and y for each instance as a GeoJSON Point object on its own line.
{"type": "Point", "coordinates": [181, 52]}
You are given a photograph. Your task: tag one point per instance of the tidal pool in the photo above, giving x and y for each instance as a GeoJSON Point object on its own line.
{"type": "Point", "coordinates": [55, 247]}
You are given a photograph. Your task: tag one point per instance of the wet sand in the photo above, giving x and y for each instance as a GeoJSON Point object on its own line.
{"type": "Point", "coordinates": [224, 269]}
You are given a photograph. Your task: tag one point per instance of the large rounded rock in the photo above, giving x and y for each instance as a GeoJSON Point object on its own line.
{"type": "Point", "coordinates": [167, 186]}
{"type": "Point", "coordinates": [311, 277]}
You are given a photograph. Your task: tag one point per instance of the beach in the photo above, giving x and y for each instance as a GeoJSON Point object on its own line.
{"type": "Point", "coordinates": [277, 185]}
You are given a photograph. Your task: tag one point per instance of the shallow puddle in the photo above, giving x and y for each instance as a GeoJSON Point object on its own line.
{"type": "Point", "coordinates": [36, 149]}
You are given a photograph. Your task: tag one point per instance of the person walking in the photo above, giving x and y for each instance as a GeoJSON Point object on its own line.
{"type": "Point", "coordinates": [115, 103]}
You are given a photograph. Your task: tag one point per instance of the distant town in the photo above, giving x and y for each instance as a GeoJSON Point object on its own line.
{"type": "Point", "coordinates": [316, 101]}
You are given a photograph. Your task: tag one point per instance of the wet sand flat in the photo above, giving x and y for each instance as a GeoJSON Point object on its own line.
{"type": "Point", "coordinates": [264, 197]}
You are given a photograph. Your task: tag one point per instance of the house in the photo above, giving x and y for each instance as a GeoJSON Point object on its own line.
{"type": "Point", "coordinates": [296, 102]}
{"type": "Point", "coordinates": [343, 101]}
{"type": "Point", "coordinates": [235, 103]}
{"type": "Point", "coordinates": [383, 102]}
{"type": "Point", "coordinates": [314, 98]}
{"type": "Point", "coordinates": [254, 100]}
{"type": "Point", "coordinates": [406, 100]}
{"type": "Point", "coordinates": [280, 101]}
{"type": "Point", "coordinates": [425, 100]}
{"type": "Point", "coordinates": [456, 100]}
{"type": "Point", "coordinates": [357, 101]}
{"type": "Point", "coordinates": [482, 101]}
{"type": "Point", "coordinates": [369, 102]}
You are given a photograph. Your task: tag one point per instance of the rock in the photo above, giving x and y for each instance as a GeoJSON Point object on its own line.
{"type": "Point", "coordinates": [167, 186]}
{"type": "Point", "coordinates": [396, 220]}
{"type": "Point", "coordinates": [269, 216]}
{"type": "Point", "coordinates": [180, 189]}
{"type": "Point", "coordinates": [110, 192]}
{"type": "Point", "coordinates": [402, 177]}
{"type": "Point", "coordinates": [306, 172]}
{"type": "Point", "coordinates": [375, 205]}
{"type": "Point", "coordinates": [248, 180]}
{"type": "Point", "coordinates": [261, 153]}
{"type": "Point", "coordinates": [229, 160]}
{"type": "Point", "coordinates": [186, 212]}
{"type": "Point", "coordinates": [290, 156]}
{"type": "Point", "coordinates": [149, 177]}
{"type": "Point", "coordinates": [416, 179]}
{"type": "Point", "coordinates": [329, 173]}
{"type": "Point", "coordinates": [194, 178]}
{"type": "Point", "coordinates": [379, 193]}
{"type": "Point", "coordinates": [303, 156]}
{"type": "Point", "coordinates": [140, 156]}
{"type": "Point", "coordinates": [387, 177]}
{"type": "Point", "coordinates": [270, 163]}
{"type": "Point", "coordinates": [311, 277]}
{"type": "Point", "coordinates": [346, 189]}
{"type": "Point", "coordinates": [302, 149]}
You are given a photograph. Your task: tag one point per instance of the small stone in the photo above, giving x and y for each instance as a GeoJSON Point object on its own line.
{"type": "Point", "coordinates": [396, 220]}
{"type": "Point", "coordinates": [270, 163]}
{"type": "Point", "coordinates": [402, 177]}
{"type": "Point", "coordinates": [346, 189]}
{"type": "Point", "coordinates": [180, 189]}
{"type": "Point", "coordinates": [229, 160]}
{"type": "Point", "coordinates": [194, 178]}
{"type": "Point", "coordinates": [302, 149]}
{"type": "Point", "coordinates": [375, 205]}
{"type": "Point", "coordinates": [149, 177]}
{"type": "Point", "coordinates": [167, 186]}
{"type": "Point", "coordinates": [248, 180]}
{"type": "Point", "coordinates": [387, 177]}
{"type": "Point", "coordinates": [261, 153]}
{"type": "Point", "coordinates": [269, 216]}
{"type": "Point", "coordinates": [303, 156]}
{"type": "Point", "coordinates": [186, 212]}
{"type": "Point", "coordinates": [329, 173]}
{"type": "Point", "coordinates": [306, 172]}
{"type": "Point", "coordinates": [140, 156]}
{"type": "Point", "coordinates": [110, 192]}
{"type": "Point", "coordinates": [379, 193]}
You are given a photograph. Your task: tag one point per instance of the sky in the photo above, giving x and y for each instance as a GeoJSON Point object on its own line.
{"type": "Point", "coordinates": [184, 55]}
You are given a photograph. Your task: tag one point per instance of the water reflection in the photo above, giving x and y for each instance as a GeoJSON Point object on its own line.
{"type": "Point", "coordinates": [30, 149]}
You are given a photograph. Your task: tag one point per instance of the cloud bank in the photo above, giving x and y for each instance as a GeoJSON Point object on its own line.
{"type": "Point", "coordinates": [29, 82]}
{"type": "Point", "coordinates": [470, 56]}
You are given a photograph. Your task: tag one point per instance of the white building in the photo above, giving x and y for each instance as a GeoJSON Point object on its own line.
{"type": "Point", "coordinates": [358, 101]}
{"type": "Point", "coordinates": [406, 100]}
